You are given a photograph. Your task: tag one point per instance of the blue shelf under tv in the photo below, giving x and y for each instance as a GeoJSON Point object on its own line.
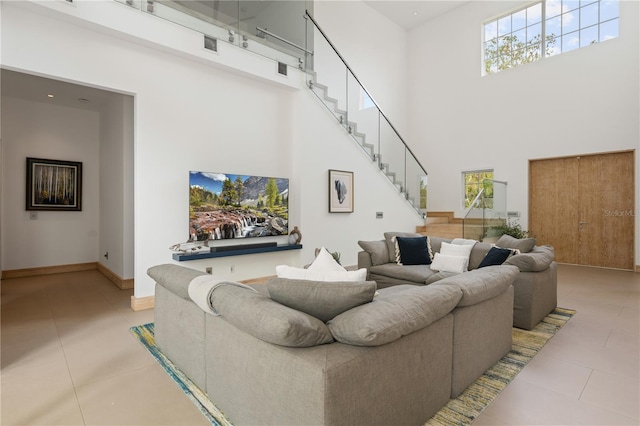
{"type": "Point", "coordinates": [181, 257]}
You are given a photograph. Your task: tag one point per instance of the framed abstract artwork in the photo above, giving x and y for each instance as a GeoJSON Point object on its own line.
{"type": "Point", "coordinates": [54, 185]}
{"type": "Point", "coordinates": [340, 191]}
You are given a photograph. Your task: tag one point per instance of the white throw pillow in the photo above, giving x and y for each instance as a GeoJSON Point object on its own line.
{"type": "Point", "coordinates": [284, 271]}
{"type": "Point", "coordinates": [455, 249]}
{"type": "Point", "coordinates": [325, 262]}
{"type": "Point", "coordinates": [446, 263]}
{"type": "Point", "coordinates": [461, 250]}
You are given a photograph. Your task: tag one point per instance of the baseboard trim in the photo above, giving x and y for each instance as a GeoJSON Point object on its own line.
{"type": "Point", "coordinates": [121, 283]}
{"type": "Point", "coordinates": [142, 303]}
{"type": "Point", "coordinates": [48, 270]}
{"type": "Point", "coordinates": [260, 280]}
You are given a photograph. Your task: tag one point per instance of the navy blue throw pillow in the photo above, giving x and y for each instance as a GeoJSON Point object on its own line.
{"type": "Point", "coordinates": [412, 251]}
{"type": "Point", "coordinates": [496, 256]}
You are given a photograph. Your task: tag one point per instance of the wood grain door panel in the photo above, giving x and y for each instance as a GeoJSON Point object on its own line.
{"type": "Point", "coordinates": [606, 191]}
{"type": "Point", "coordinates": [584, 207]}
{"type": "Point", "coordinates": [553, 206]}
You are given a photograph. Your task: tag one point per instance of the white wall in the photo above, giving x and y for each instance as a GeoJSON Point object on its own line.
{"type": "Point", "coordinates": [375, 48]}
{"type": "Point", "coordinates": [194, 115]}
{"type": "Point", "coordinates": [116, 176]}
{"type": "Point", "coordinates": [580, 102]}
{"type": "Point", "coordinates": [41, 130]}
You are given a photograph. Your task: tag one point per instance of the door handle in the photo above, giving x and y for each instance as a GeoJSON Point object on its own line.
{"type": "Point", "coordinates": [582, 223]}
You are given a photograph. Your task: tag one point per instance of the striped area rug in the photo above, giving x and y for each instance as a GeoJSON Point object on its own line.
{"type": "Point", "coordinates": [466, 407]}
{"type": "Point", "coordinates": [460, 411]}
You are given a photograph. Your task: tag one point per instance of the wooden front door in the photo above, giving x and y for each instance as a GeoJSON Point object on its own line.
{"type": "Point", "coordinates": [584, 207]}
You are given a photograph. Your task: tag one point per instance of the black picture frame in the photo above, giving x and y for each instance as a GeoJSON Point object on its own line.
{"type": "Point", "coordinates": [54, 185]}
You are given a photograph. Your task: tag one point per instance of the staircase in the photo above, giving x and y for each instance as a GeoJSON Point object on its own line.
{"type": "Point", "coordinates": [441, 224]}
{"type": "Point", "coordinates": [445, 225]}
{"type": "Point", "coordinates": [370, 129]}
{"type": "Point", "coordinates": [321, 91]}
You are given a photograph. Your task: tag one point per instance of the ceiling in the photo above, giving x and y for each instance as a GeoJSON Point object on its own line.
{"type": "Point", "coordinates": [410, 14]}
{"type": "Point", "coordinates": [33, 88]}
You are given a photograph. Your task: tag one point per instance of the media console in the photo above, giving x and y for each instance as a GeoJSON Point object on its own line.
{"type": "Point", "coordinates": [235, 250]}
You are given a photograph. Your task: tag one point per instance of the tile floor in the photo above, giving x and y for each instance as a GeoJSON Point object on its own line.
{"type": "Point", "coordinates": [68, 358]}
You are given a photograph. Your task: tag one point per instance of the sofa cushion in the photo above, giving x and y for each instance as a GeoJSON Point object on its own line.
{"type": "Point", "coordinates": [267, 319]}
{"type": "Point", "coordinates": [284, 271]}
{"type": "Point", "coordinates": [320, 299]}
{"type": "Point", "coordinates": [452, 257]}
{"type": "Point", "coordinates": [391, 243]}
{"type": "Point", "coordinates": [538, 259]}
{"type": "Point", "coordinates": [439, 276]}
{"type": "Point", "coordinates": [525, 245]}
{"type": "Point", "coordinates": [394, 314]}
{"type": "Point", "coordinates": [481, 284]}
{"type": "Point", "coordinates": [413, 251]}
{"type": "Point", "coordinates": [495, 256]}
{"type": "Point", "coordinates": [377, 250]}
{"type": "Point", "coordinates": [436, 243]}
{"type": "Point", "coordinates": [413, 273]}
{"type": "Point", "coordinates": [324, 261]}
{"type": "Point", "coordinates": [446, 263]}
{"type": "Point", "coordinates": [174, 278]}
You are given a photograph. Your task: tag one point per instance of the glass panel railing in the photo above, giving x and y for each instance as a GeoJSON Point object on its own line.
{"type": "Point", "coordinates": [363, 116]}
{"type": "Point", "coordinates": [496, 211]}
{"type": "Point", "coordinates": [391, 154]}
{"type": "Point", "coordinates": [264, 26]}
{"type": "Point", "coordinates": [336, 85]}
{"type": "Point", "coordinates": [472, 222]}
{"type": "Point", "coordinates": [329, 77]}
{"type": "Point", "coordinates": [274, 29]}
{"type": "Point", "coordinates": [487, 213]}
{"type": "Point", "coordinates": [416, 184]}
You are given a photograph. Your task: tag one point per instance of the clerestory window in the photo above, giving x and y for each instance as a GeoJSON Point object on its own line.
{"type": "Point", "coordinates": [547, 28]}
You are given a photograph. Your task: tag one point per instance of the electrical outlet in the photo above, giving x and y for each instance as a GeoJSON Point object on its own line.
{"type": "Point", "coordinates": [232, 268]}
{"type": "Point", "coordinates": [209, 270]}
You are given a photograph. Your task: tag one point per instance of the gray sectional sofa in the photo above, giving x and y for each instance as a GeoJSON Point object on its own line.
{"type": "Point", "coordinates": [535, 287]}
{"type": "Point", "coordinates": [395, 357]}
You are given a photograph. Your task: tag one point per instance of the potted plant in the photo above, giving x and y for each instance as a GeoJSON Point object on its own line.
{"type": "Point", "coordinates": [510, 227]}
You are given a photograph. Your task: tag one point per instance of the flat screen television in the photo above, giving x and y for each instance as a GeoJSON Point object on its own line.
{"type": "Point", "coordinates": [227, 206]}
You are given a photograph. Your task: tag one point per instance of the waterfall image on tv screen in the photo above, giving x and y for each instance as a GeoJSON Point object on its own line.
{"type": "Point", "coordinates": [224, 206]}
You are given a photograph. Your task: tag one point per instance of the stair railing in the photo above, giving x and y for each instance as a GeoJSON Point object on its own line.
{"type": "Point", "coordinates": [231, 22]}
{"type": "Point", "coordinates": [334, 82]}
{"type": "Point", "coordinates": [487, 211]}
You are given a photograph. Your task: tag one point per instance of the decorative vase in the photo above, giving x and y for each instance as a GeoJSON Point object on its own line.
{"type": "Point", "coordinates": [295, 236]}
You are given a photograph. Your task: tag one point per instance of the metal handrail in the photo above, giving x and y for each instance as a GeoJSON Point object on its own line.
{"type": "Point", "coordinates": [315, 23]}
{"type": "Point", "coordinates": [473, 203]}
{"type": "Point", "coordinates": [471, 207]}
{"type": "Point", "coordinates": [284, 40]}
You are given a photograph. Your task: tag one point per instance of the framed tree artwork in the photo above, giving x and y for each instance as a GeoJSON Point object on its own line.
{"type": "Point", "coordinates": [54, 185]}
{"type": "Point", "coordinates": [340, 191]}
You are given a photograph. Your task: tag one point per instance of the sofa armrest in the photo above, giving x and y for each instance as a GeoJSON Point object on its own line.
{"type": "Point", "coordinates": [174, 278]}
{"type": "Point", "coordinates": [538, 259]}
{"type": "Point", "coordinates": [364, 260]}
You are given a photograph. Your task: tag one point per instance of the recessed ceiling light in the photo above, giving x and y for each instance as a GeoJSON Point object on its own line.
{"type": "Point", "coordinates": [415, 13]}
{"type": "Point", "coordinates": [50, 95]}
{"type": "Point", "coordinates": [83, 100]}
